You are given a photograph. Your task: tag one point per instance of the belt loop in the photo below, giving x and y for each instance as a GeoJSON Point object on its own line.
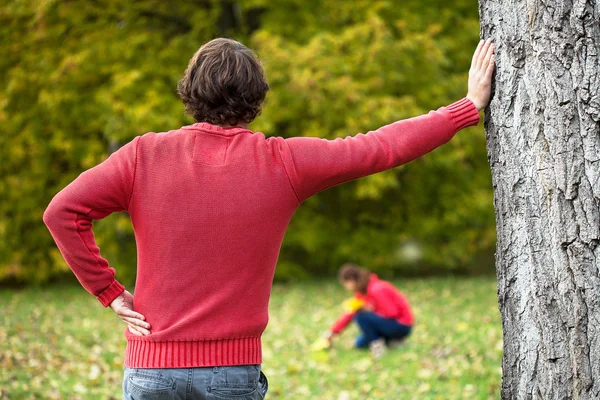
{"type": "Point", "coordinates": [190, 383]}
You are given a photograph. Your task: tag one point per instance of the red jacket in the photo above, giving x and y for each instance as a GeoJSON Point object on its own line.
{"type": "Point", "coordinates": [209, 208]}
{"type": "Point", "coordinates": [386, 301]}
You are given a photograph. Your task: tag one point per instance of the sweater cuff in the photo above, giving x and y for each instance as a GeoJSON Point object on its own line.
{"type": "Point", "coordinates": [110, 293]}
{"type": "Point", "coordinates": [463, 113]}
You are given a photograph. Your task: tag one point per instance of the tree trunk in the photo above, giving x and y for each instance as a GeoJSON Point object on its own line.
{"type": "Point", "coordinates": [543, 132]}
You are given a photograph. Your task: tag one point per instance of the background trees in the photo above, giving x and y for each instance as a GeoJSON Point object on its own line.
{"type": "Point", "coordinates": [83, 78]}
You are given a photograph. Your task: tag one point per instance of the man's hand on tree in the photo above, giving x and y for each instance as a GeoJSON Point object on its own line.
{"type": "Point", "coordinates": [480, 74]}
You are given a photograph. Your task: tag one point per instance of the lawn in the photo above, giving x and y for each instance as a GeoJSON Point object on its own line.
{"type": "Point", "coordinates": [60, 343]}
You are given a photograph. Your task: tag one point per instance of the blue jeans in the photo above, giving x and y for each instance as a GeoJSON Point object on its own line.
{"type": "Point", "coordinates": [242, 382]}
{"type": "Point", "coordinates": [374, 327]}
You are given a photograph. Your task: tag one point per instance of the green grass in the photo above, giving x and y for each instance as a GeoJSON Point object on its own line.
{"type": "Point", "coordinates": [60, 343]}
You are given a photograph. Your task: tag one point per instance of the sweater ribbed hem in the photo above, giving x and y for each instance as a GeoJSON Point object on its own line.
{"type": "Point", "coordinates": [463, 113]}
{"type": "Point", "coordinates": [190, 354]}
{"type": "Point", "coordinates": [110, 293]}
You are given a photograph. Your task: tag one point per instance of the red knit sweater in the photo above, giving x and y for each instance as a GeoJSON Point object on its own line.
{"type": "Point", "coordinates": [209, 207]}
{"type": "Point", "coordinates": [386, 301]}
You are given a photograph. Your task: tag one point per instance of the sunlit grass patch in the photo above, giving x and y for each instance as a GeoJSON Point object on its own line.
{"type": "Point", "coordinates": [454, 353]}
{"type": "Point", "coordinates": [60, 343]}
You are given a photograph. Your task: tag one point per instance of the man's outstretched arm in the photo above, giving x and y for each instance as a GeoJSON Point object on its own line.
{"type": "Point", "coordinates": [315, 164]}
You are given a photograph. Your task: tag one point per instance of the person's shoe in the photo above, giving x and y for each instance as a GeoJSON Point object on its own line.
{"type": "Point", "coordinates": [393, 343]}
{"type": "Point", "coordinates": [377, 348]}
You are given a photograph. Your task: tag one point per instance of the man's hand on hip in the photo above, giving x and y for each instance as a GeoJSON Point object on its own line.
{"type": "Point", "coordinates": [123, 307]}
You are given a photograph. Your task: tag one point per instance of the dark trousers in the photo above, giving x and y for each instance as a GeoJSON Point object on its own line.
{"type": "Point", "coordinates": [374, 327]}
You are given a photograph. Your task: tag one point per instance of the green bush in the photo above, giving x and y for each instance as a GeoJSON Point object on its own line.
{"type": "Point", "coordinates": [83, 78]}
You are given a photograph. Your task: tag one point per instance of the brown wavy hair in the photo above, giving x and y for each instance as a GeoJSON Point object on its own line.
{"type": "Point", "coordinates": [352, 272]}
{"type": "Point", "coordinates": [224, 84]}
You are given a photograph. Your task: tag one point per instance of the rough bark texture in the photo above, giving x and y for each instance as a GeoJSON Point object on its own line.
{"type": "Point", "coordinates": [543, 131]}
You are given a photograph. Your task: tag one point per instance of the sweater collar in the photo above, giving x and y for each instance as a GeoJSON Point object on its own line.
{"type": "Point", "coordinates": [210, 128]}
{"type": "Point", "coordinates": [372, 280]}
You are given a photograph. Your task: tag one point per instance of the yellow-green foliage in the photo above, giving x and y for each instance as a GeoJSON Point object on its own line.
{"type": "Point", "coordinates": [82, 78]}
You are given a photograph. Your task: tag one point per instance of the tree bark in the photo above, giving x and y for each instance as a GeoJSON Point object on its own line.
{"type": "Point", "coordinates": [543, 132]}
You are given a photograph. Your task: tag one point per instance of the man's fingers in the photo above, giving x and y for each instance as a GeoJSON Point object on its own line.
{"type": "Point", "coordinates": [488, 55]}
{"type": "Point", "coordinates": [477, 51]}
{"type": "Point", "coordinates": [133, 330]}
{"type": "Point", "coordinates": [490, 68]}
{"type": "Point", "coordinates": [482, 54]}
{"type": "Point", "coordinates": [126, 312]}
{"type": "Point", "coordinates": [137, 322]}
{"type": "Point", "coordinates": [136, 330]}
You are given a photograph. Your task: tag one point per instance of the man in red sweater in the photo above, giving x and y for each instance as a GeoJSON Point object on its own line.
{"type": "Point", "coordinates": [210, 204]}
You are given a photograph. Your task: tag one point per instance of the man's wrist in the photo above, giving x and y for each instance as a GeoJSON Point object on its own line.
{"type": "Point", "coordinates": [475, 103]}
{"type": "Point", "coordinates": [113, 291]}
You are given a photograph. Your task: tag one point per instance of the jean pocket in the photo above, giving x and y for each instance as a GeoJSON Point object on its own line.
{"type": "Point", "coordinates": [231, 392]}
{"type": "Point", "coordinates": [263, 385]}
{"type": "Point", "coordinates": [151, 385]}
